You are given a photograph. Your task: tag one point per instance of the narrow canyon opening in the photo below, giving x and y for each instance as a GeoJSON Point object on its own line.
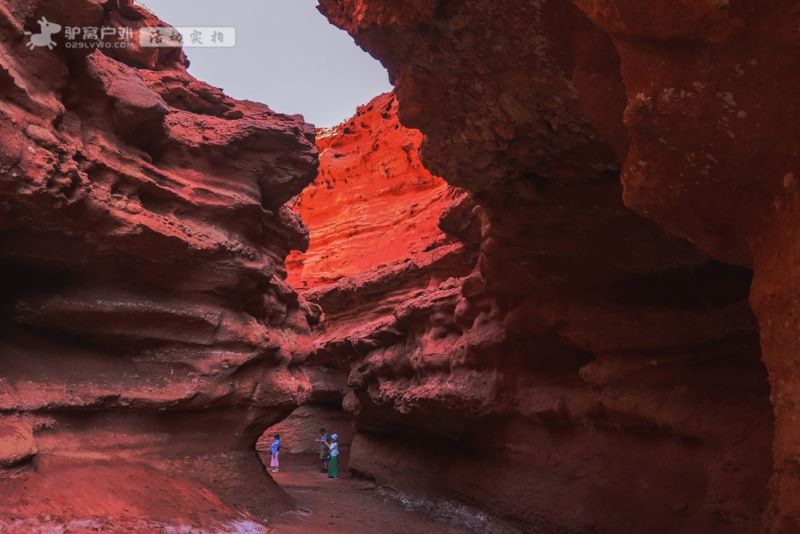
{"type": "Point", "coordinates": [544, 284]}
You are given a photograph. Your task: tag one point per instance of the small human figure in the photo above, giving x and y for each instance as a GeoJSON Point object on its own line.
{"type": "Point", "coordinates": [333, 462]}
{"type": "Point", "coordinates": [274, 450]}
{"type": "Point", "coordinates": [323, 450]}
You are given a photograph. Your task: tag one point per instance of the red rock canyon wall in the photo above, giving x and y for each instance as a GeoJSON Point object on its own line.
{"type": "Point", "coordinates": [564, 342]}
{"type": "Point", "coordinates": [374, 215]}
{"type": "Point", "coordinates": [373, 203]}
{"type": "Point", "coordinates": [578, 365]}
{"type": "Point", "coordinates": [148, 335]}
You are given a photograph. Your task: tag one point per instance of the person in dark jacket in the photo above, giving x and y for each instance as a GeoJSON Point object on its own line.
{"type": "Point", "coordinates": [323, 450]}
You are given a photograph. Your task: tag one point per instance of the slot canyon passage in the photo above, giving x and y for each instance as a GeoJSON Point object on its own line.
{"type": "Point", "coordinates": [550, 284]}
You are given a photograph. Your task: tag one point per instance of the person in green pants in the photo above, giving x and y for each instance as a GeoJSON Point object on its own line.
{"type": "Point", "coordinates": [333, 463]}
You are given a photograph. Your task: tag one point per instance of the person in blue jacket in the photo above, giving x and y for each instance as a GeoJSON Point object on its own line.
{"type": "Point", "coordinates": [333, 463]}
{"type": "Point", "coordinates": [274, 450]}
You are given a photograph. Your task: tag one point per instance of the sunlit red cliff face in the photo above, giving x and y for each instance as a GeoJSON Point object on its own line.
{"type": "Point", "coordinates": [373, 203]}
{"type": "Point", "coordinates": [597, 365]}
{"type": "Point", "coordinates": [379, 239]}
{"type": "Point", "coordinates": [148, 336]}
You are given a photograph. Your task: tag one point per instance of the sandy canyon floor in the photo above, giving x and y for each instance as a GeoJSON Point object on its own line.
{"type": "Point", "coordinates": [347, 505]}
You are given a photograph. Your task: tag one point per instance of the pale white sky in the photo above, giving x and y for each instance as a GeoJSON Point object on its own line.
{"type": "Point", "coordinates": [287, 56]}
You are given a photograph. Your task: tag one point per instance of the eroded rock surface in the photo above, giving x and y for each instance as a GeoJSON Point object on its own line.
{"type": "Point", "coordinates": [373, 203]}
{"type": "Point", "coordinates": [148, 336]}
{"type": "Point", "coordinates": [587, 356]}
{"type": "Point", "coordinates": [378, 221]}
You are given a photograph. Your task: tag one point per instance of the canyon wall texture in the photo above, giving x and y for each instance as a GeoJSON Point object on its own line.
{"type": "Point", "coordinates": [588, 361]}
{"type": "Point", "coordinates": [148, 335]}
{"type": "Point", "coordinates": [373, 203]}
{"type": "Point", "coordinates": [585, 359]}
{"type": "Point", "coordinates": [374, 214]}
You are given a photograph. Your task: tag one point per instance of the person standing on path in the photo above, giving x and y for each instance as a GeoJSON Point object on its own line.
{"type": "Point", "coordinates": [274, 450]}
{"type": "Point", "coordinates": [333, 463]}
{"type": "Point", "coordinates": [323, 450]}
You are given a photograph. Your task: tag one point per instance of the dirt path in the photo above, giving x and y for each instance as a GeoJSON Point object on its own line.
{"type": "Point", "coordinates": [346, 505]}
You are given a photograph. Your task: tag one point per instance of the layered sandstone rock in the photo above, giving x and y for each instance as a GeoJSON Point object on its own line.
{"type": "Point", "coordinates": [592, 358]}
{"type": "Point", "coordinates": [726, 102]}
{"type": "Point", "coordinates": [148, 335]}
{"type": "Point", "coordinates": [376, 242]}
{"type": "Point", "coordinates": [323, 409]}
{"type": "Point", "coordinates": [373, 203]}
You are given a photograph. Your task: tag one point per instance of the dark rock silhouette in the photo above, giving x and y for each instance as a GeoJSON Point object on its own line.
{"type": "Point", "coordinates": [595, 356]}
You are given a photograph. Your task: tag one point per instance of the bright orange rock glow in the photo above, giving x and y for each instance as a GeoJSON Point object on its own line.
{"type": "Point", "coordinates": [389, 209]}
